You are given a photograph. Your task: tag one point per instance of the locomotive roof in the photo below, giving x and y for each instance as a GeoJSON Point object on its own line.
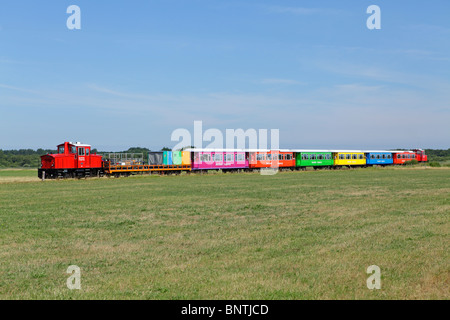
{"type": "Point", "coordinates": [79, 144]}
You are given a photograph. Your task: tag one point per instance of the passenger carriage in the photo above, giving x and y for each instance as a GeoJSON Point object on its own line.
{"type": "Point", "coordinates": [400, 157]}
{"type": "Point", "coordinates": [313, 158]}
{"type": "Point", "coordinates": [271, 159]}
{"type": "Point", "coordinates": [349, 158]}
{"type": "Point", "coordinates": [219, 160]}
{"type": "Point", "coordinates": [379, 158]}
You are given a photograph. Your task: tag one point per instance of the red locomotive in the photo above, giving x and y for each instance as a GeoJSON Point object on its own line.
{"type": "Point", "coordinates": [72, 160]}
{"type": "Point", "coordinates": [420, 155]}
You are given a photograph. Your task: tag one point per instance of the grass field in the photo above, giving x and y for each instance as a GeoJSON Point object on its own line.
{"type": "Point", "coordinates": [294, 235]}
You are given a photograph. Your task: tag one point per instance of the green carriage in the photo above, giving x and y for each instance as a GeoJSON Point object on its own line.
{"type": "Point", "coordinates": [308, 158]}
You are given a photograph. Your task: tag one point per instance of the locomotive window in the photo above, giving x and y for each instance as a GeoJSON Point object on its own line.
{"type": "Point", "coordinates": [81, 151]}
{"type": "Point", "coordinates": [73, 149]}
{"type": "Point", "coordinates": [61, 150]}
{"type": "Point", "coordinates": [87, 152]}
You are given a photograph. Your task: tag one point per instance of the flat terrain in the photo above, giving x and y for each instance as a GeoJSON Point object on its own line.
{"type": "Point", "coordinates": [294, 235]}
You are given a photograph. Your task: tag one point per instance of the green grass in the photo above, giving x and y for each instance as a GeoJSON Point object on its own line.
{"type": "Point", "coordinates": [17, 173]}
{"type": "Point", "coordinates": [295, 235]}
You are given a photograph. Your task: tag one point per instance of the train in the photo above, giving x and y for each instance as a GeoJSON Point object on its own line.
{"type": "Point", "coordinates": [76, 160]}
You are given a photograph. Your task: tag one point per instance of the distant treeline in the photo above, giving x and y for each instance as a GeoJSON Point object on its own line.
{"type": "Point", "coordinates": [22, 158]}
{"type": "Point", "coordinates": [29, 158]}
{"type": "Point", "coordinates": [438, 154]}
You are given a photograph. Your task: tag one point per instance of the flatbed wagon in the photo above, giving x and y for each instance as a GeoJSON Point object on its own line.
{"type": "Point", "coordinates": [126, 170]}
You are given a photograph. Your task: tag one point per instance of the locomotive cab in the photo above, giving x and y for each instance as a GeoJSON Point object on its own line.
{"type": "Point", "coordinates": [420, 155]}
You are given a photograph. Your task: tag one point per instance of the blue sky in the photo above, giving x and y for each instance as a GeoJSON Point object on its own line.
{"type": "Point", "coordinates": [138, 70]}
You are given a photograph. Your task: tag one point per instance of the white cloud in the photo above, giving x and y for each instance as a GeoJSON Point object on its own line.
{"type": "Point", "coordinates": [280, 81]}
{"type": "Point", "coordinates": [5, 86]}
{"type": "Point", "coordinates": [293, 10]}
{"type": "Point", "coordinates": [302, 10]}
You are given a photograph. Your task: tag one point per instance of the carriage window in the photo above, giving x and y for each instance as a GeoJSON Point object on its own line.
{"type": "Point", "coordinates": [61, 150]}
{"type": "Point", "coordinates": [205, 157]}
{"type": "Point", "coordinates": [378, 156]}
{"type": "Point", "coordinates": [229, 157]}
{"type": "Point", "coordinates": [329, 156]}
{"type": "Point", "coordinates": [87, 152]}
{"type": "Point", "coordinates": [354, 156]}
{"type": "Point", "coordinates": [313, 157]}
{"type": "Point", "coordinates": [388, 156]}
{"type": "Point", "coordinates": [384, 156]}
{"type": "Point", "coordinates": [303, 156]}
{"type": "Point", "coordinates": [413, 156]}
{"type": "Point", "coordinates": [361, 156]}
{"type": "Point", "coordinates": [341, 157]}
{"type": "Point", "coordinates": [280, 157]}
{"type": "Point", "coordinates": [81, 151]}
{"type": "Point", "coordinates": [399, 156]}
{"type": "Point", "coordinates": [269, 157]}
{"type": "Point", "coordinates": [372, 156]}
{"type": "Point", "coordinates": [218, 157]}
{"type": "Point", "coordinates": [260, 157]}
{"type": "Point", "coordinates": [240, 157]}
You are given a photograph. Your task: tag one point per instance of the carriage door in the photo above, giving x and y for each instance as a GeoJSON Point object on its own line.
{"type": "Point", "coordinates": [81, 157]}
